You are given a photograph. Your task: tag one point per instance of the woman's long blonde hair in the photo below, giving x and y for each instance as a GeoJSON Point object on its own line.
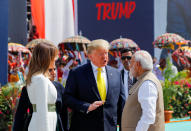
{"type": "Point", "coordinates": [42, 55]}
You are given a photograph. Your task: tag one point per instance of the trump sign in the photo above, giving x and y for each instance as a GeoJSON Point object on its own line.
{"type": "Point", "coordinates": [110, 19]}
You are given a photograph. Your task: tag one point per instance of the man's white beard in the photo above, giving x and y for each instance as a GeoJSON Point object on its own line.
{"type": "Point", "coordinates": [131, 72]}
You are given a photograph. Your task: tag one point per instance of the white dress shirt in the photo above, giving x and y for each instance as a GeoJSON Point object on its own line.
{"type": "Point", "coordinates": [103, 74]}
{"type": "Point", "coordinates": [66, 70]}
{"type": "Point", "coordinates": [147, 97]}
{"type": "Point", "coordinates": [126, 77]}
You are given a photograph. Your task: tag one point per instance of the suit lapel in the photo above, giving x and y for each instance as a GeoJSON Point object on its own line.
{"type": "Point", "coordinates": [109, 81]}
{"type": "Point", "coordinates": [122, 75]}
{"type": "Point", "coordinates": [91, 79]}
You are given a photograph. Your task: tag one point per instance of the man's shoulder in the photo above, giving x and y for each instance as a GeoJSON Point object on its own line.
{"type": "Point", "coordinates": [84, 66]}
{"type": "Point", "coordinates": [81, 68]}
{"type": "Point", "coordinates": [109, 68]}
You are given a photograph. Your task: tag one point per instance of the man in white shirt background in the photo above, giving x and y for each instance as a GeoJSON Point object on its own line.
{"type": "Point", "coordinates": [144, 108]}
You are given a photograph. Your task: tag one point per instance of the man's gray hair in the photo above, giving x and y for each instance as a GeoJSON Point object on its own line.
{"type": "Point", "coordinates": [145, 59]}
{"type": "Point", "coordinates": [99, 43]}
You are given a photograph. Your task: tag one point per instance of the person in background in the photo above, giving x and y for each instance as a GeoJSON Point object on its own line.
{"type": "Point", "coordinates": [113, 63]}
{"type": "Point", "coordinates": [128, 82]}
{"type": "Point", "coordinates": [21, 74]}
{"type": "Point", "coordinates": [156, 69]}
{"type": "Point", "coordinates": [163, 64]}
{"type": "Point", "coordinates": [65, 70]}
{"type": "Point", "coordinates": [160, 71]}
{"type": "Point", "coordinates": [59, 72]}
{"type": "Point", "coordinates": [144, 108]}
{"type": "Point", "coordinates": [94, 92]}
{"type": "Point", "coordinates": [21, 120]}
{"type": "Point", "coordinates": [33, 34]}
{"type": "Point", "coordinates": [61, 108]}
{"type": "Point", "coordinates": [154, 60]}
{"type": "Point", "coordinates": [14, 77]}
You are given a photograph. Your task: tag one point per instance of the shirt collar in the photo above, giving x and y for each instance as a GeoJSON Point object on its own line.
{"type": "Point", "coordinates": [161, 69]}
{"type": "Point", "coordinates": [126, 71]}
{"type": "Point", "coordinates": [94, 67]}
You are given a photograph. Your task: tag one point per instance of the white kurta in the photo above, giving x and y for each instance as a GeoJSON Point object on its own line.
{"type": "Point", "coordinates": [42, 92]}
{"type": "Point", "coordinates": [147, 97]}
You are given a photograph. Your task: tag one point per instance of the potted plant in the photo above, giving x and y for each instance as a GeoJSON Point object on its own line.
{"type": "Point", "coordinates": [168, 94]}
{"type": "Point", "coordinates": [168, 90]}
{"type": "Point", "coordinates": [189, 114]}
{"type": "Point", "coordinates": [9, 95]}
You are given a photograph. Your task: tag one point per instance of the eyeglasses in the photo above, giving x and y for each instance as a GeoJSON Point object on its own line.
{"type": "Point", "coordinates": [126, 57]}
{"type": "Point", "coordinates": [51, 69]}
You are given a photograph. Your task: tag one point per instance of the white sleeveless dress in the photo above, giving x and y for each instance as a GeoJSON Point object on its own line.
{"type": "Point", "coordinates": [42, 92]}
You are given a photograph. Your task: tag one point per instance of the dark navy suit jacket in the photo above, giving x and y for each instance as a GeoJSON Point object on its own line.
{"type": "Point", "coordinates": [81, 91]}
{"type": "Point", "coordinates": [24, 104]}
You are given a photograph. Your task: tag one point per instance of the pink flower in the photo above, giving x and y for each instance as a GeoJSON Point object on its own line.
{"type": "Point", "coordinates": [176, 83]}
{"type": "Point", "coordinates": [186, 105]}
{"type": "Point", "coordinates": [28, 110]}
{"type": "Point", "coordinates": [188, 84]}
{"type": "Point", "coordinates": [1, 112]}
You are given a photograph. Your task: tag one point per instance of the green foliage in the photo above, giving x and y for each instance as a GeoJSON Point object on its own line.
{"type": "Point", "coordinates": [168, 94]}
{"type": "Point", "coordinates": [168, 90]}
{"type": "Point", "coordinates": [8, 97]}
{"type": "Point", "coordinates": [177, 91]}
{"type": "Point", "coordinates": [168, 74]}
{"type": "Point", "coordinates": [182, 101]}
